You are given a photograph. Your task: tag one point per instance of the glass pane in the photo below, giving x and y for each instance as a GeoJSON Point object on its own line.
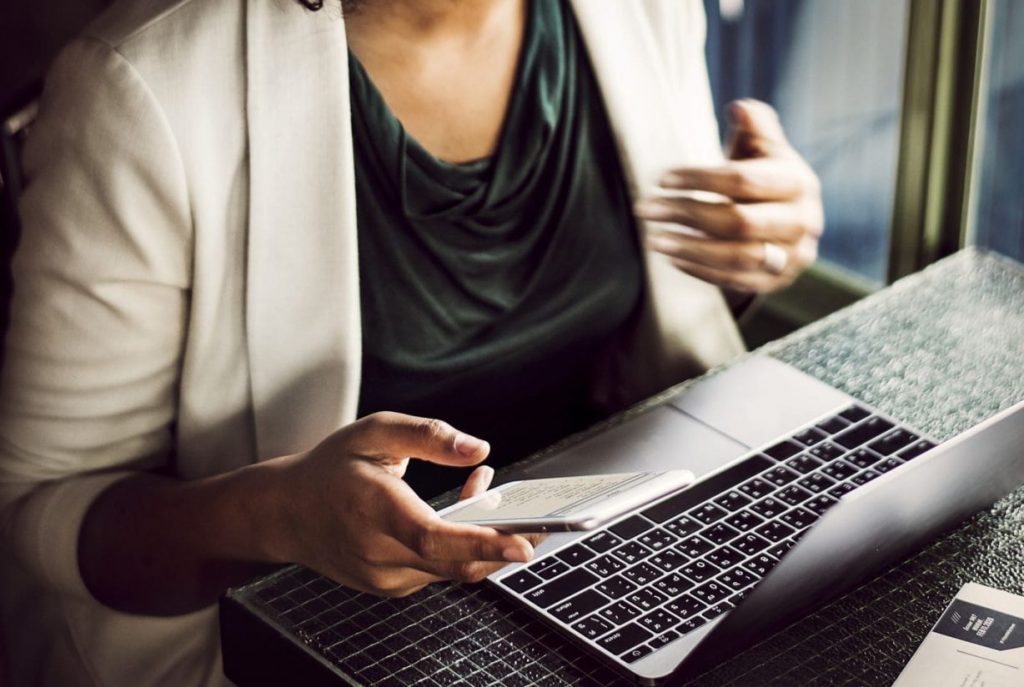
{"type": "Point", "coordinates": [999, 202]}
{"type": "Point", "coordinates": [834, 71]}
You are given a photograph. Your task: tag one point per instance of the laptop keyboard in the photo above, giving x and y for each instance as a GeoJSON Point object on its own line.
{"type": "Point", "coordinates": [642, 582]}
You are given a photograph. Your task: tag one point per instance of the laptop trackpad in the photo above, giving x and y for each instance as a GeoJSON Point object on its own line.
{"type": "Point", "coordinates": [661, 439]}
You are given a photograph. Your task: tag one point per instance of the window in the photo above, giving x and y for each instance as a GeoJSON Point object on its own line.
{"type": "Point", "coordinates": [998, 202]}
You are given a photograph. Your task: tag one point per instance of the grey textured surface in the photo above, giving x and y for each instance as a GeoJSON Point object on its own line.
{"type": "Point", "coordinates": [941, 350]}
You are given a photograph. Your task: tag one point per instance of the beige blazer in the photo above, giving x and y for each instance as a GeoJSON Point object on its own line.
{"type": "Point", "coordinates": [187, 289]}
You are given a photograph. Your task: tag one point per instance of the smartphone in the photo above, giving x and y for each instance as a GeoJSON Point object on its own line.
{"type": "Point", "coordinates": [565, 504]}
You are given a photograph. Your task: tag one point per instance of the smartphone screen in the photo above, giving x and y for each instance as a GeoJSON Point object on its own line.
{"type": "Point", "coordinates": [566, 500]}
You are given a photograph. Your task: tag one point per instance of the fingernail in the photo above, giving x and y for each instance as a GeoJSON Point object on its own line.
{"type": "Point", "coordinates": [470, 446]}
{"type": "Point", "coordinates": [651, 209]}
{"type": "Point", "coordinates": [515, 554]}
{"type": "Point", "coordinates": [660, 243]}
{"type": "Point", "coordinates": [675, 180]}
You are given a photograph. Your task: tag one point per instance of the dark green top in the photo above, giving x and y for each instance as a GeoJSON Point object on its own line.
{"type": "Point", "coordinates": [489, 288]}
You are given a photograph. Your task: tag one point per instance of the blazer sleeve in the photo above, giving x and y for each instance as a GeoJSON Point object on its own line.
{"type": "Point", "coordinates": [98, 317]}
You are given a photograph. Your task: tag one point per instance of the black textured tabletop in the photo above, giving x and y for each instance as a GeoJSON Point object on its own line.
{"type": "Point", "coordinates": [941, 350]}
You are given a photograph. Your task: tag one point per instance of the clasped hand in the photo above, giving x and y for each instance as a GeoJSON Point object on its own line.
{"type": "Point", "coordinates": [765, 230]}
{"type": "Point", "coordinates": [349, 515]}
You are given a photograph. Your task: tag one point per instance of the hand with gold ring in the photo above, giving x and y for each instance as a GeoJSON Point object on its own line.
{"type": "Point", "coordinates": [763, 227]}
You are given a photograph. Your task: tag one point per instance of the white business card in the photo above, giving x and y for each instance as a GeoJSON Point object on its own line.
{"type": "Point", "coordinates": [978, 642]}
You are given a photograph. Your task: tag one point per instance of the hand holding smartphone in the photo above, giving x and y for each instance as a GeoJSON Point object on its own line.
{"type": "Point", "coordinates": [562, 504]}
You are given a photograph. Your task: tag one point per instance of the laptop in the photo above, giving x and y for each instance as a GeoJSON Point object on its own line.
{"type": "Point", "coordinates": [802, 493]}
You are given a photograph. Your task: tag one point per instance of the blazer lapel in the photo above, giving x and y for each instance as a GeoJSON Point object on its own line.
{"type": "Point", "coordinates": [302, 297]}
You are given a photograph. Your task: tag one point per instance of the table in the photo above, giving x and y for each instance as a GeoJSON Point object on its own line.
{"type": "Point", "coordinates": [942, 350]}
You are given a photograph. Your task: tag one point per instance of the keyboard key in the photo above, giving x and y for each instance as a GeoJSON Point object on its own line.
{"type": "Point", "coordinates": [839, 470]}
{"type": "Point", "coordinates": [694, 546]}
{"type": "Point", "coordinates": [636, 653]}
{"type": "Point", "coordinates": [646, 599]}
{"type": "Point", "coordinates": [820, 503]}
{"type": "Point", "coordinates": [760, 565]}
{"type": "Point", "coordinates": [657, 539]}
{"type": "Point", "coordinates": [799, 518]}
{"type": "Point", "coordinates": [631, 527]}
{"type": "Point", "coordinates": [593, 627]}
{"type": "Point", "coordinates": [862, 433]}
{"type": "Point", "coordinates": [757, 487]}
{"type": "Point", "coordinates": [749, 544]}
{"type": "Point", "coordinates": [780, 549]}
{"type": "Point", "coordinates": [732, 501]}
{"type": "Point", "coordinates": [783, 450]}
{"type": "Point", "coordinates": [578, 606]}
{"type": "Point", "coordinates": [719, 533]}
{"type": "Point", "coordinates": [556, 590]}
{"type": "Point", "coordinates": [744, 520]}
{"type": "Point", "coordinates": [575, 555]}
{"type": "Point", "coordinates": [663, 639]}
{"type": "Point", "coordinates": [840, 489]}
{"type": "Point", "coordinates": [605, 566]}
{"type": "Point", "coordinates": [706, 489]}
{"type": "Point", "coordinates": [708, 513]}
{"type": "Point", "coordinates": [780, 476]}
{"type": "Point", "coordinates": [619, 613]}
{"type": "Point", "coordinates": [698, 571]}
{"type": "Point", "coordinates": [888, 464]}
{"type": "Point", "coordinates": [691, 624]}
{"type": "Point", "coordinates": [642, 573]}
{"type": "Point", "coordinates": [521, 581]}
{"type": "Point", "coordinates": [834, 424]}
{"type": "Point", "coordinates": [659, 621]}
{"type": "Point", "coordinates": [863, 458]}
{"type": "Point", "coordinates": [770, 507]}
{"type": "Point", "coordinates": [737, 579]}
{"type": "Point", "coordinates": [667, 560]}
{"type": "Point", "coordinates": [548, 568]}
{"type": "Point", "coordinates": [809, 437]}
{"type": "Point", "coordinates": [775, 531]}
{"type": "Point", "coordinates": [726, 556]}
{"type": "Point", "coordinates": [686, 606]}
{"type": "Point", "coordinates": [711, 592]}
{"type": "Point", "coordinates": [631, 552]}
{"type": "Point", "coordinates": [855, 413]}
{"type": "Point", "coordinates": [803, 463]}
{"type": "Point", "coordinates": [922, 446]}
{"type": "Point", "coordinates": [624, 639]}
{"type": "Point", "coordinates": [602, 542]}
{"type": "Point", "coordinates": [715, 611]}
{"type": "Point", "coordinates": [673, 585]}
{"type": "Point", "coordinates": [826, 451]}
{"type": "Point", "coordinates": [817, 482]}
{"type": "Point", "coordinates": [892, 442]}
{"type": "Point", "coordinates": [683, 527]}
{"type": "Point", "coordinates": [865, 477]}
{"type": "Point", "coordinates": [794, 495]}
{"type": "Point", "coordinates": [616, 587]}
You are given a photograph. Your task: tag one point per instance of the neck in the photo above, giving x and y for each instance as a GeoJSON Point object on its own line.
{"type": "Point", "coordinates": [424, 21]}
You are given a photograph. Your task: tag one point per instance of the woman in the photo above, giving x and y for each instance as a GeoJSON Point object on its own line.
{"type": "Point", "coordinates": [248, 223]}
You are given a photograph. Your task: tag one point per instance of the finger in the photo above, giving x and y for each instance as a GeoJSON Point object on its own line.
{"type": "Point", "coordinates": [477, 483]}
{"type": "Point", "coordinates": [776, 222]}
{"type": "Point", "coordinates": [415, 524]}
{"type": "Point", "coordinates": [734, 256]}
{"type": "Point", "coordinates": [754, 130]}
{"type": "Point", "coordinates": [400, 568]}
{"type": "Point", "coordinates": [761, 179]}
{"type": "Point", "coordinates": [395, 434]}
{"type": "Point", "coordinates": [744, 282]}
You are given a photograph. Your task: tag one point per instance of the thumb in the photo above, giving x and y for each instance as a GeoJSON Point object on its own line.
{"type": "Point", "coordinates": [395, 435]}
{"type": "Point", "coordinates": [754, 130]}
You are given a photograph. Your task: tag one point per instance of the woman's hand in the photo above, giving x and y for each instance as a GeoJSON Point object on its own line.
{"type": "Point", "coordinates": [766, 229]}
{"type": "Point", "coordinates": [351, 517]}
